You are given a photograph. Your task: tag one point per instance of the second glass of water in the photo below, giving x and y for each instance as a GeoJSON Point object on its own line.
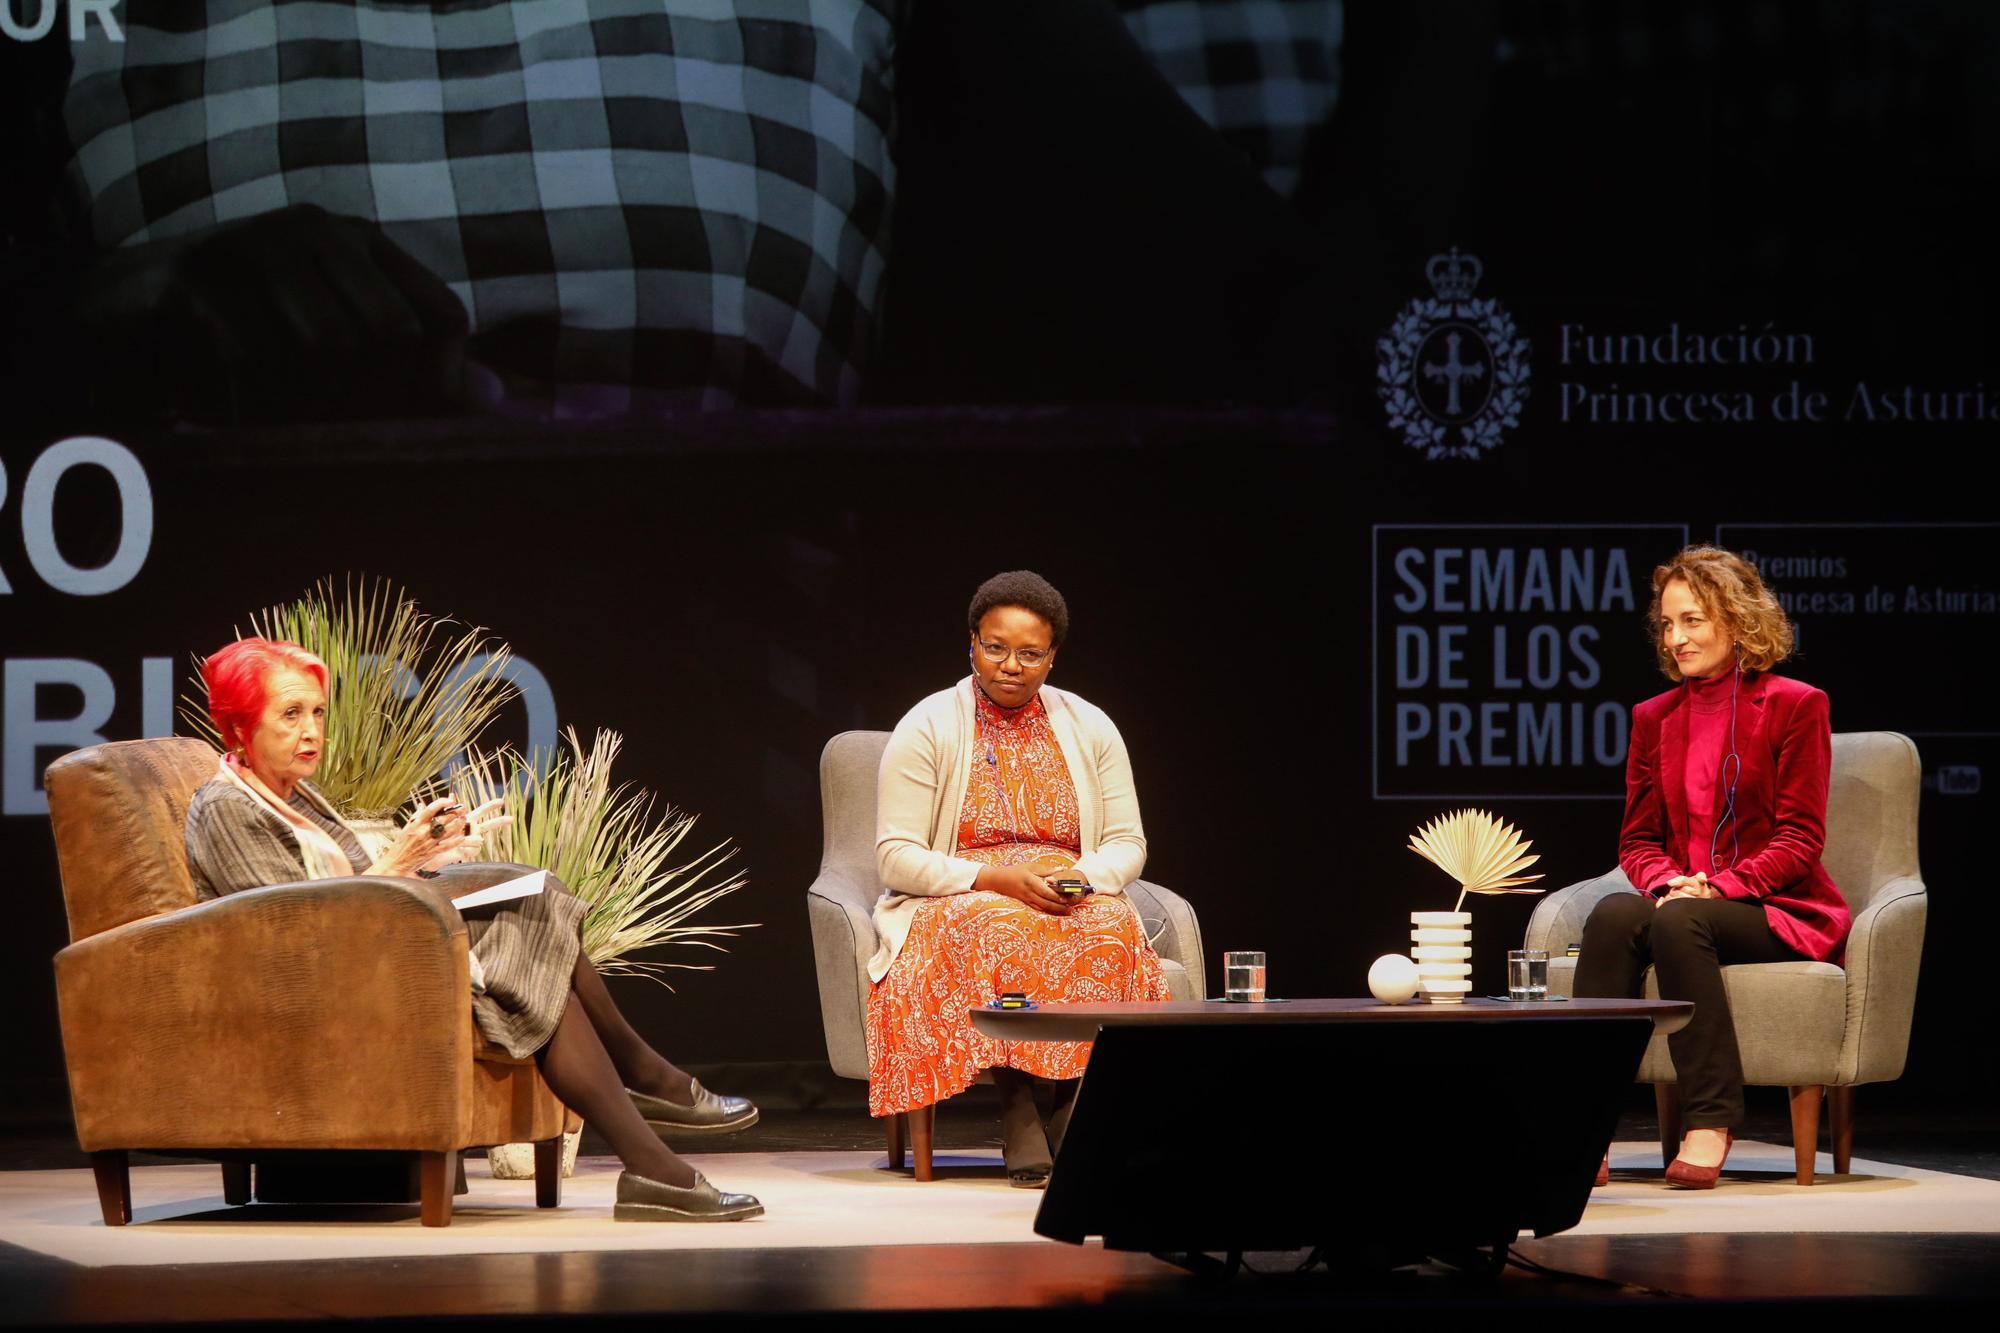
{"type": "Point", "coordinates": [1527, 974]}
{"type": "Point", "coordinates": [1243, 976]}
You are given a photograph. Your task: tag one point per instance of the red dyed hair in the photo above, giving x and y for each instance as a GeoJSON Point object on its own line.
{"type": "Point", "coordinates": [236, 676]}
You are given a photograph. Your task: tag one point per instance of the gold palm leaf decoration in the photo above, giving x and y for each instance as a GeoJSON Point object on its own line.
{"type": "Point", "coordinates": [1481, 853]}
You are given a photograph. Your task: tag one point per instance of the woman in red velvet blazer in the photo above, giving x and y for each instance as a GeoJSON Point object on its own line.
{"type": "Point", "coordinates": [1725, 818]}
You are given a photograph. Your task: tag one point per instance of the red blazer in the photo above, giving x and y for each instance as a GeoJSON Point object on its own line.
{"type": "Point", "coordinates": [1786, 746]}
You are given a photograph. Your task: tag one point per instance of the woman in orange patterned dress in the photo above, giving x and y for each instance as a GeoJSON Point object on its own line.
{"type": "Point", "coordinates": [990, 793]}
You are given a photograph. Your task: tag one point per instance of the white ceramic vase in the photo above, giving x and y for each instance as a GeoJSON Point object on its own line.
{"type": "Point", "coordinates": [516, 1161]}
{"type": "Point", "coordinates": [1441, 947]}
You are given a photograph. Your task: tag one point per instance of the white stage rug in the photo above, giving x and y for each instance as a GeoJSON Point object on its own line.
{"type": "Point", "coordinates": [810, 1199]}
{"type": "Point", "coordinates": [846, 1198]}
{"type": "Point", "coordinates": [1759, 1192]}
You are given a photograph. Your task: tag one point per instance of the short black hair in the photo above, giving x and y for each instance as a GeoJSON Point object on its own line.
{"type": "Point", "coordinates": [1026, 589]}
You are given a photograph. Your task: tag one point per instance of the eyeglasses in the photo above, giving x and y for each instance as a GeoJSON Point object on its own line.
{"type": "Point", "coordinates": [1029, 658]}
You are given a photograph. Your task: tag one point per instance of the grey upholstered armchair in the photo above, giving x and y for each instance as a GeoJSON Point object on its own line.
{"type": "Point", "coordinates": [1815, 1028]}
{"type": "Point", "coordinates": [841, 903]}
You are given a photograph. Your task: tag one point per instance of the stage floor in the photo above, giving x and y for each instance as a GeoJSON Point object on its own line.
{"type": "Point", "coordinates": [1759, 1238]}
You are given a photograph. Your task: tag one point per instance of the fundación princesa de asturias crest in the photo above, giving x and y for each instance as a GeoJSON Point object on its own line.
{"type": "Point", "coordinates": [1452, 370]}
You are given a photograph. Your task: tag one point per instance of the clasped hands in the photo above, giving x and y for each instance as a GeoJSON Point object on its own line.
{"type": "Point", "coordinates": [1033, 883]}
{"type": "Point", "coordinates": [439, 834]}
{"type": "Point", "coordinates": [1688, 886]}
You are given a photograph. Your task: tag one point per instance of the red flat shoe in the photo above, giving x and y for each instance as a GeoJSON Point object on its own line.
{"type": "Point", "coordinates": [1680, 1175]}
{"type": "Point", "coordinates": [1603, 1173]}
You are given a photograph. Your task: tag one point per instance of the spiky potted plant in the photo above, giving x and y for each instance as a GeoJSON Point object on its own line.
{"type": "Point", "coordinates": [616, 848]}
{"type": "Point", "coordinates": [406, 692]}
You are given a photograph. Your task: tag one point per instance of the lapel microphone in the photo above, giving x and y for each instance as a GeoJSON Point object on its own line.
{"type": "Point", "coordinates": [1732, 769]}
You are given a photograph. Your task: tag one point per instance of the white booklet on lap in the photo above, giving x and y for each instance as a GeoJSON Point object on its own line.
{"type": "Point", "coordinates": [525, 886]}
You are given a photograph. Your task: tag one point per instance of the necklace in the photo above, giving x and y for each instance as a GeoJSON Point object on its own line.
{"type": "Point", "coordinates": [1018, 828]}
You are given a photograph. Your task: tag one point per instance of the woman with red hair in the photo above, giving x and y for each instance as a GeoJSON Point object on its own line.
{"type": "Point", "coordinates": [260, 821]}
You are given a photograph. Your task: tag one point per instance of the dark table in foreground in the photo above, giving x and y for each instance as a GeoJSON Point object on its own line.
{"type": "Point", "coordinates": [1080, 1022]}
{"type": "Point", "coordinates": [1389, 1131]}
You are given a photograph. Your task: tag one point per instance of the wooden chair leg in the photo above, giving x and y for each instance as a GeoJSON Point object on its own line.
{"type": "Point", "coordinates": [114, 1186]}
{"type": "Point", "coordinates": [436, 1172]}
{"type": "Point", "coordinates": [922, 1120]}
{"type": "Point", "coordinates": [236, 1183]}
{"type": "Point", "coordinates": [1805, 1129]}
{"type": "Point", "coordinates": [548, 1172]}
{"type": "Point", "coordinates": [1667, 1099]}
{"type": "Point", "coordinates": [896, 1124]}
{"type": "Point", "coordinates": [1840, 1110]}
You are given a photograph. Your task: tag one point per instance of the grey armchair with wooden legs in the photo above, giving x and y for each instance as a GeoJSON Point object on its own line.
{"type": "Point", "coordinates": [1818, 1029]}
{"type": "Point", "coordinates": [841, 903]}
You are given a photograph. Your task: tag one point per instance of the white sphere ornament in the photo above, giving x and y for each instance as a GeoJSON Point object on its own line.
{"type": "Point", "coordinates": [1393, 978]}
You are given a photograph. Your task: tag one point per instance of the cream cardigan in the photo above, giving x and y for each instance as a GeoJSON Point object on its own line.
{"type": "Point", "coordinates": [921, 790]}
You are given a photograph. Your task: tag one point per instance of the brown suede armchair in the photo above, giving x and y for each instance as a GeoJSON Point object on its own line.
{"type": "Point", "coordinates": [329, 1014]}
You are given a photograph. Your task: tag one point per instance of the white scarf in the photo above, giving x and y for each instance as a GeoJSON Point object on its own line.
{"type": "Point", "coordinates": [321, 854]}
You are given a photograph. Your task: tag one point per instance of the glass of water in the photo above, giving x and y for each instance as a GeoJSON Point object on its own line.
{"type": "Point", "coordinates": [1243, 976]}
{"type": "Point", "coordinates": [1527, 974]}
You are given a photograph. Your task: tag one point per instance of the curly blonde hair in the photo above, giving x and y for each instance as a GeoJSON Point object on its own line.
{"type": "Point", "coordinates": [1730, 592]}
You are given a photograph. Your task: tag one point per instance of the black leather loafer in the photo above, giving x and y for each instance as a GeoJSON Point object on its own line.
{"type": "Point", "coordinates": [710, 1114]}
{"type": "Point", "coordinates": [643, 1200]}
{"type": "Point", "coordinates": [1028, 1177]}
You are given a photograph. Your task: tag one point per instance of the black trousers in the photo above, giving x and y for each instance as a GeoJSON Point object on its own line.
{"type": "Point", "coordinates": [1687, 941]}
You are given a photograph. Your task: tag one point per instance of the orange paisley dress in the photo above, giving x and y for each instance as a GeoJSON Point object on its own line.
{"type": "Point", "coordinates": [966, 948]}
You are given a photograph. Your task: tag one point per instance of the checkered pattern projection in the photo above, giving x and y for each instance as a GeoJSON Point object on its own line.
{"type": "Point", "coordinates": [642, 203]}
{"type": "Point", "coordinates": [1263, 73]}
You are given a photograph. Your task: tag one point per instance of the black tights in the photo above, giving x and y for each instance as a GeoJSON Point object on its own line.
{"type": "Point", "coordinates": [1687, 941]}
{"type": "Point", "coordinates": [643, 1068]}
{"type": "Point", "coordinates": [590, 1061]}
{"type": "Point", "coordinates": [1028, 1140]}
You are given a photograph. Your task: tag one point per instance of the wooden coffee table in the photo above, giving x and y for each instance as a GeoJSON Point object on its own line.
{"type": "Point", "coordinates": [1080, 1022]}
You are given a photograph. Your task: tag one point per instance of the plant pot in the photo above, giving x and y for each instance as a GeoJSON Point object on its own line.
{"type": "Point", "coordinates": [516, 1161]}
{"type": "Point", "coordinates": [1441, 947]}
{"type": "Point", "coordinates": [375, 835]}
